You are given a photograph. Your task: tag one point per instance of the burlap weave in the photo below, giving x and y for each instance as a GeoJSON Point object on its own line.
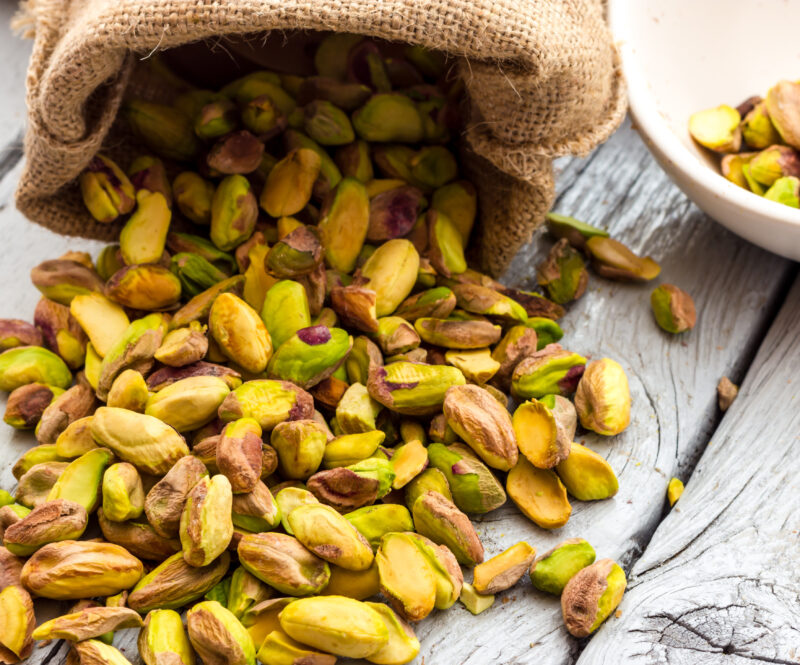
{"type": "Point", "coordinates": [542, 78]}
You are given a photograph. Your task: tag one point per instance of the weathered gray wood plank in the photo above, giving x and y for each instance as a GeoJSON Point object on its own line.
{"type": "Point", "coordinates": [14, 53]}
{"type": "Point", "coordinates": [720, 581]}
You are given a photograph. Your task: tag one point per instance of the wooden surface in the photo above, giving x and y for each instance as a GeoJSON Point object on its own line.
{"type": "Point", "coordinates": [736, 596]}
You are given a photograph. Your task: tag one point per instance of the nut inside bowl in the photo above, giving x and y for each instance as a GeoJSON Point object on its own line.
{"type": "Point", "coordinates": [683, 56]}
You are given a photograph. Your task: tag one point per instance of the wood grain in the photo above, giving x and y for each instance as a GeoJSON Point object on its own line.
{"type": "Point", "coordinates": [720, 581]}
{"type": "Point", "coordinates": [737, 288]}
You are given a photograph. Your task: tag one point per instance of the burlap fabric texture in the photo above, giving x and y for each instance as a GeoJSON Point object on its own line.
{"type": "Point", "coordinates": [542, 77]}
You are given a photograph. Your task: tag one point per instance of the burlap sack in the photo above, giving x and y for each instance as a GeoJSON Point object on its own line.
{"type": "Point", "coordinates": [542, 78]}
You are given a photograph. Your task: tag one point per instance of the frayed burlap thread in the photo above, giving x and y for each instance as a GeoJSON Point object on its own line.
{"type": "Point", "coordinates": [542, 78]}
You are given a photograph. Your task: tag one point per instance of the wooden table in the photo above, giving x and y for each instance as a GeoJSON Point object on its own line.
{"type": "Point", "coordinates": [716, 579]}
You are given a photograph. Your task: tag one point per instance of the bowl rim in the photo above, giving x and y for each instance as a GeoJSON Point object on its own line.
{"type": "Point", "coordinates": [650, 121]}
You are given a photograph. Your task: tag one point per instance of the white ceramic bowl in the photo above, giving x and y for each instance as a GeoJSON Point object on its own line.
{"type": "Point", "coordinates": [682, 56]}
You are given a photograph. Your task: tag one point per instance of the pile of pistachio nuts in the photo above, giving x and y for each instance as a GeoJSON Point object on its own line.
{"type": "Point", "coordinates": [291, 406]}
{"type": "Point", "coordinates": [759, 139]}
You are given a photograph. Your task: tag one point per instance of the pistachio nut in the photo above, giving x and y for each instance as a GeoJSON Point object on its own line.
{"type": "Point", "coordinates": [188, 403]}
{"type": "Point", "coordinates": [269, 402]}
{"type": "Point", "coordinates": [73, 404]}
{"type": "Point", "coordinates": [139, 538]}
{"type": "Point", "coordinates": [344, 221]}
{"type": "Point", "coordinates": [282, 562]}
{"type": "Point", "coordinates": [147, 286]}
{"type": "Point", "coordinates": [81, 480]}
{"type": "Point", "coordinates": [52, 521]}
{"type": "Point", "coordinates": [373, 522]}
{"type": "Point", "coordinates": [406, 575]}
{"type": "Point", "coordinates": [145, 441]}
{"type": "Point", "coordinates": [388, 118]}
{"type": "Point", "coordinates": [103, 320]}
{"type": "Point", "coordinates": [300, 445]}
{"type": "Point", "coordinates": [164, 640]}
{"type": "Point", "coordinates": [217, 635]}
{"type": "Point", "coordinates": [366, 64]}
{"type": "Point", "coordinates": [538, 435]}
{"type": "Point", "coordinates": [239, 454]}
{"type": "Point", "coordinates": [96, 651]}
{"type": "Point", "coordinates": [458, 202]}
{"type": "Point", "coordinates": [564, 412]}
{"type": "Point", "coordinates": [35, 484]}
{"type": "Point", "coordinates": [193, 195]}
{"type": "Point", "coordinates": [350, 487]}
{"type": "Point", "coordinates": [586, 475]}
{"type": "Point", "coordinates": [391, 272]}
{"type": "Point", "coordinates": [613, 260]}
{"type": "Point", "coordinates": [539, 494]}
{"type": "Point", "coordinates": [674, 490]}
{"type": "Point", "coordinates": [183, 346]}
{"type": "Point", "coordinates": [591, 596]}
{"type": "Point", "coordinates": [289, 183]}
{"type": "Point", "coordinates": [440, 520]}
{"type": "Point", "coordinates": [717, 129]}
{"type": "Point", "coordinates": [777, 161]}
{"type": "Point", "coordinates": [240, 333]}
{"type": "Point", "coordinates": [88, 623]}
{"type": "Point", "coordinates": [732, 167]}
{"type": "Point", "coordinates": [80, 569]}
{"type": "Point", "coordinates": [331, 55]}
{"type": "Point", "coordinates": [290, 498]}
{"type": "Point", "coordinates": [484, 424]}
{"type": "Point", "coordinates": [412, 388]}
{"type": "Point", "coordinates": [504, 570]}
{"type": "Point", "coordinates": [26, 404]}
{"type": "Point", "coordinates": [330, 536]}
{"type": "Point", "coordinates": [144, 235]}
{"type": "Point", "coordinates": [535, 304]}
{"type": "Point", "coordinates": [327, 124]}
{"type": "Point", "coordinates": [164, 503]}
{"type": "Point", "coordinates": [206, 526]}
{"type": "Point", "coordinates": [357, 584]}
{"type": "Point", "coordinates": [61, 280]}
{"type": "Point", "coordinates": [106, 190]}
{"type": "Point", "coordinates": [91, 368]}
{"type": "Point", "coordinates": [458, 334]}
{"type": "Point", "coordinates": [310, 355]}
{"type": "Point", "coordinates": [518, 343]}
{"type": "Point", "coordinates": [328, 173]}
{"type": "Point", "coordinates": [356, 411]}
{"type": "Point", "coordinates": [408, 461]}
{"type": "Point", "coordinates": [14, 332]}
{"type": "Point", "coordinates": [445, 248]}
{"type": "Point", "coordinates": [782, 102]}
{"type": "Point", "coordinates": [257, 510]}
{"type": "Point", "coordinates": [786, 191]}
{"type": "Point", "coordinates": [195, 273]}
{"type": "Point", "coordinates": [16, 608]}
{"type": "Point", "coordinates": [335, 624]}
{"type": "Point", "coordinates": [32, 364]}
{"type": "Point", "coordinates": [474, 487]}
{"type": "Point", "coordinates": [36, 455]}
{"type": "Point", "coordinates": [108, 261]}
{"type": "Point", "coordinates": [234, 210]}
{"type": "Point", "coordinates": [563, 273]}
{"type": "Point", "coordinates": [575, 232]}
{"type": "Point", "coordinates": [280, 649]}
{"type": "Point", "coordinates": [603, 400]}
{"type": "Point", "coordinates": [348, 449]}
{"type": "Point", "coordinates": [364, 354]}
{"type": "Point", "coordinates": [356, 306]}
{"type": "Point", "coordinates": [285, 310]}
{"type": "Point", "coordinates": [550, 371]}
{"type": "Point", "coordinates": [198, 308]}
{"type": "Point", "coordinates": [147, 173]}
{"type": "Point", "coordinates": [238, 152]}
{"type": "Point", "coordinates": [262, 116]}
{"type": "Point", "coordinates": [296, 254]}
{"type": "Point", "coordinates": [395, 335]}
{"type": "Point", "coordinates": [431, 479]}
{"type": "Point", "coordinates": [354, 159]}
{"type": "Point", "coordinates": [757, 129]}
{"type": "Point", "coordinates": [174, 583]}
{"type": "Point", "coordinates": [727, 391]}
{"type": "Point", "coordinates": [123, 492]}
{"type": "Point", "coordinates": [475, 602]}
{"type": "Point", "coordinates": [551, 571]}
{"type": "Point", "coordinates": [245, 591]}
{"type": "Point", "coordinates": [164, 129]}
